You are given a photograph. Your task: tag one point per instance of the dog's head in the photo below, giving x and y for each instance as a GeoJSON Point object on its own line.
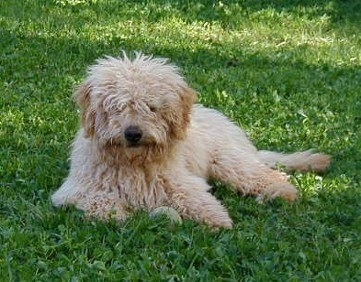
{"type": "Point", "coordinates": [136, 104]}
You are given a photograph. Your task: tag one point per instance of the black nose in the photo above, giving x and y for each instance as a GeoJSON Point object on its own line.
{"type": "Point", "coordinates": [133, 134]}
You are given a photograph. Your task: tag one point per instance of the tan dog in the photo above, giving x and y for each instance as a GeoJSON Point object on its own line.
{"type": "Point", "coordinates": [145, 144]}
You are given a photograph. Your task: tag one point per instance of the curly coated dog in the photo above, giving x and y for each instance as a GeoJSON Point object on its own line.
{"type": "Point", "coordinates": [144, 143]}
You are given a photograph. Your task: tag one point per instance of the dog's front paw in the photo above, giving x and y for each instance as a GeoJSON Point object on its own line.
{"type": "Point", "coordinates": [214, 216]}
{"type": "Point", "coordinates": [284, 190]}
{"type": "Point", "coordinates": [168, 212]}
{"type": "Point", "coordinates": [318, 162]}
{"type": "Point", "coordinates": [219, 221]}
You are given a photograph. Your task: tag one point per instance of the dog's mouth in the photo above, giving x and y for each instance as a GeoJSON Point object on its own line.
{"type": "Point", "coordinates": [130, 145]}
{"type": "Point", "coordinates": [119, 142]}
{"type": "Point", "coordinates": [140, 144]}
{"type": "Point", "coordinates": [134, 145]}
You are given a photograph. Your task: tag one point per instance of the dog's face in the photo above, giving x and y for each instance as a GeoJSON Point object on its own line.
{"type": "Point", "coordinates": [135, 104]}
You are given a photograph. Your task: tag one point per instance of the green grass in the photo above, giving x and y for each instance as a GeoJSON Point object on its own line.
{"type": "Point", "coordinates": [288, 71]}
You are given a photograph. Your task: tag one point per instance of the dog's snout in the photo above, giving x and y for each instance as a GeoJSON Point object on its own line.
{"type": "Point", "coordinates": [133, 134]}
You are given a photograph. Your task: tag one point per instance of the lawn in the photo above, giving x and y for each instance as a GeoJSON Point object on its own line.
{"type": "Point", "coordinates": [288, 71]}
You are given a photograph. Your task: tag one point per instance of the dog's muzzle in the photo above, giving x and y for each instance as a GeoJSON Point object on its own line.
{"type": "Point", "coordinates": [133, 134]}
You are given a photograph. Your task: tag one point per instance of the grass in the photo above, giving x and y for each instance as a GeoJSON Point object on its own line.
{"type": "Point", "coordinates": [288, 71]}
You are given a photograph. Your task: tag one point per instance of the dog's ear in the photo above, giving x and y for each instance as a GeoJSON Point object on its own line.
{"type": "Point", "coordinates": [180, 123]}
{"type": "Point", "coordinates": [188, 98]}
{"type": "Point", "coordinates": [82, 98]}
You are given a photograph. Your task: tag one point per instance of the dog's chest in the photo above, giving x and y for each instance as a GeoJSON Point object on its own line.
{"type": "Point", "coordinates": [140, 188]}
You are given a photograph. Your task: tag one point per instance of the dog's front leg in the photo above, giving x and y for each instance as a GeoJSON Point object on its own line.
{"type": "Point", "coordinates": [191, 199]}
{"type": "Point", "coordinates": [101, 205]}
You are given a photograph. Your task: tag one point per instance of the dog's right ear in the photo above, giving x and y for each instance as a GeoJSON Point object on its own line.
{"type": "Point", "coordinates": [82, 98]}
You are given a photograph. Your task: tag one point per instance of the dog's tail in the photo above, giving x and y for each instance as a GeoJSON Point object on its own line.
{"type": "Point", "coordinates": [301, 161]}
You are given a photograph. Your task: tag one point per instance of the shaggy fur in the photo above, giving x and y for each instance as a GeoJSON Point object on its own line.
{"type": "Point", "coordinates": [145, 144]}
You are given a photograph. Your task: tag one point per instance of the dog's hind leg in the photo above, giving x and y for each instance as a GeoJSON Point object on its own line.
{"type": "Point", "coordinates": [244, 171]}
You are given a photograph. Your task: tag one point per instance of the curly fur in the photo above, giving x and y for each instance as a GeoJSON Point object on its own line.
{"type": "Point", "coordinates": [182, 145]}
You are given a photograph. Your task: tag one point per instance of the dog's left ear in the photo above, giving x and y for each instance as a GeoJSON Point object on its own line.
{"type": "Point", "coordinates": [187, 98]}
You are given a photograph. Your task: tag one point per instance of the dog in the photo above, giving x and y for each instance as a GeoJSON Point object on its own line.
{"type": "Point", "coordinates": [144, 143]}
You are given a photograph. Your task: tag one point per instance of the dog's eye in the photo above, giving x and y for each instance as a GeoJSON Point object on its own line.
{"type": "Point", "coordinates": [114, 108]}
{"type": "Point", "coordinates": [152, 108]}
